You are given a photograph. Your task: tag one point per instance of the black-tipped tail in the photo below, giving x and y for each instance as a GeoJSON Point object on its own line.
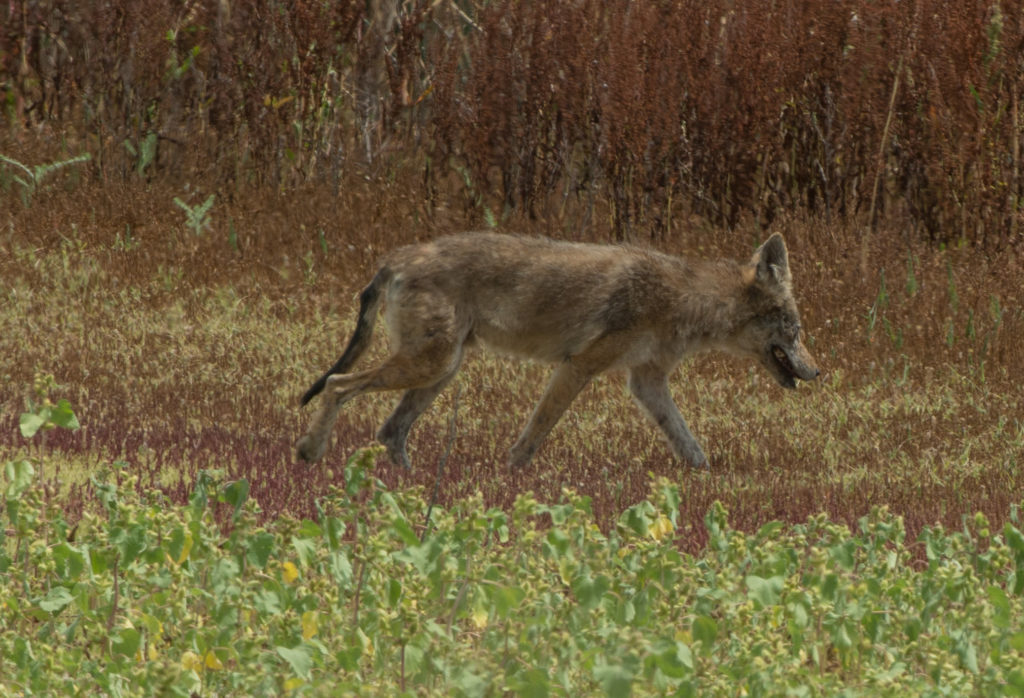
{"type": "Point", "coordinates": [369, 304]}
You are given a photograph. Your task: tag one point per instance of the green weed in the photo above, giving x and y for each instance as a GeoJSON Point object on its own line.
{"type": "Point", "coordinates": [32, 177]}
{"type": "Point", "coordinates": [142, 597]}
{"type": "Point", "coordinates": [197, 217]}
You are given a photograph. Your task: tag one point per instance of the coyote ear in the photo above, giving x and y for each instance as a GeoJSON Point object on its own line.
{"type": "Point", "coordinates": [772, 261]}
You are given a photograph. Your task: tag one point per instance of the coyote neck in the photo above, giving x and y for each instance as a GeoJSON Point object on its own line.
{"type": "Point", "coordinates": [709, 312]}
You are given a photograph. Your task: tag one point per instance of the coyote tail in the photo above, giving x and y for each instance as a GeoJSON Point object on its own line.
{"type": "Point", "coordinates": [369, 303]}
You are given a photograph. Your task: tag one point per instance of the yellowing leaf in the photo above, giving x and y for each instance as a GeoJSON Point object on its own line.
{"type": "Point", "coordinates": [661, 527]}
{"type": "Point", "coordinates": [191, 661]}
{"type": "Point", "coordinates": [565, 572]}
{"type": "Point", "coordinates": [289, 572]}
{"type": "Point", "coordinates": [293, 683]}
{"type": "Point", "coordinates": [479, 617]}
{"type": "Point", "coordinates": [151, 652]}
{"type": "Point", "coordinates": [366, 642]}
{"type": "Point", "coordinates": [309, 624]}
{"type": "Point", "coordinates": [186, 548]}
{"type": "Point", "coordinates": [212, 662]}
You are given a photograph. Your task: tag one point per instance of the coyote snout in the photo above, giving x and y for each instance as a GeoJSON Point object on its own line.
{"type": "Point", "coordinates": [584, 308]}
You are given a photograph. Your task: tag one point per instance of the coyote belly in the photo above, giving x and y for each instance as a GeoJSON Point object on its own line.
{"type": "Point", "coordinates": [584, 308]}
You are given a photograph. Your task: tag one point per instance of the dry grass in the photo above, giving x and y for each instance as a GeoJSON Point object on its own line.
{"type": "Point", "coordinates": [181, 352]}
{"type": "Point", "coordinates": [349, 128]}
{"type": "Point", "coordinates": [552, 109]}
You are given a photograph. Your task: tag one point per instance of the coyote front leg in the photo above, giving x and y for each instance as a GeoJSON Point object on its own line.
{"type": "Point", "coordinates": [566, 383]}
{"type": "Point", "coordinates": [649, 386]}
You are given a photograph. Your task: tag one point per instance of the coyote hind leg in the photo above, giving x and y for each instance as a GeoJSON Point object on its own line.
{"type": "Point", "coordinates": [428, 354]}
{"type": "Point", "coordinates": [313, 444]}
{"type": "Point", "coordinates": [414, 402]}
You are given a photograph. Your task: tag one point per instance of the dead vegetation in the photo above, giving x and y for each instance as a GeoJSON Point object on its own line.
{"type": "Point", "coordinates": [885, 146]}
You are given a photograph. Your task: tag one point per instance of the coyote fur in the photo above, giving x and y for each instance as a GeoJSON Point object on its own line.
{"type": "Point", "coordinates": [586, 308]}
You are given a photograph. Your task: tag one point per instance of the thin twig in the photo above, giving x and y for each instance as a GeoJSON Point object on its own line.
{"type": "Point", "coordinates": [443, 459]}
{"type": "Point", "coordinates": [359, 589]}
{"type": "Point", "coordinates": [880, 166]}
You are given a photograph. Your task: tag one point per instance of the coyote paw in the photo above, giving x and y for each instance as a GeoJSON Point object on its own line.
{"type": "Point", "coordinates": [519, 457]}
{"type": "Point", "coordinates": [310, 450]}
{"type": "Point", "coordinates": [398, 455]}
{"type": "Point", "coordinates": [394, 441]}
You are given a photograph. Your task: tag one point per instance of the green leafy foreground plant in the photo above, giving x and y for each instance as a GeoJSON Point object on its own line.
{"type": "Point", "coordinates": [141, 597]}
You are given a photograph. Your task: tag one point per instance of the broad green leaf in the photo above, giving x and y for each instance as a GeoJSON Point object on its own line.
{"type": "Point", "coordinates": [590, 590]}
{"type": "Point", "coordinates": [335, 529]}
{"type": "Point", "coordinates": [341, 569]}
{"type": "Point", "coordinates": [615, 679]}
{"type": "Point", "coordinates": [259, 548]}
{"type": "Point", "coordinates": [56, 599]}
{"type": "Point", "coordinates": [63, 416]}
{"type": "Point", "coordinates": [100, 560]}
{"type": "Point", "coordinates": [267, 602]}
{"type": "Point", "coordinates": [967, 652]}
{"type": "Point", "coordinates": [637, 518]}
{"type": "Point", "coordinates": [468, 682]}
{"type": "Point", "coordinates": [840, 637]}
{"type": "Point", "coordinates": [69, 563]}
{"type": "Point", "coordinates": [895, 671]}
{"type": "Point", "coordinates": [705, 630]}
{"type": "Point", "coordinates": [532, 683]}
{"type": "Point", "coordinates": [504, 599]}
{"type": "Point", "coordinates": [1014, 538]}
{"type": "Point", "coordinates": [843, 554]}
{"type": "Point", "coordinates": [129, 543]}
{"type": "Point", "coordinates": [798, 614]}
{"type": "Point", "coordinates": [424, 557]}
{"type": "Point", "coordinates": [1016, 679]}
{"type": "Point", "coordinates": [394, 592]}
{"type": "Point", "coordinates": [1000, 606]}
{"type": "Point", "coordinates": [23, 654]}
{"type": "Point", "coordinates": [224, 576]}
{"type": "Point", "coordinates": [31, 423]}
{"type": "Point", "coordinates": [179, 545]}
{"type": "Point", "coordinates": [674, 658]}
{"type": "Point", "coordinates": [19, 475]}
{"type": "Point", "coordinates": [305, 548]}
{"type": "Point", "coordinates": [309, 529]}
{"type": "Point", "coordinates": [829, 586]}
{"type": "Point", "coordinates": [1017, 641]}
{"type": "Point", "coordinates": [764, 591]}
{"type": "Point", "coordinates": [127, 642]}
{"type": "Point", "coordinates": [298, 658]}
{"type": "Point", "coordinates": [769, 530]}
{"type": "Point", "coordinates": [235, 493]}
{"type": "Point", "coordinates": [403, 531]}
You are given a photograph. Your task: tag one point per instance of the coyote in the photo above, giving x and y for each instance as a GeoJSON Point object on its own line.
{"type": "Point", "coordinates": [586, 308]}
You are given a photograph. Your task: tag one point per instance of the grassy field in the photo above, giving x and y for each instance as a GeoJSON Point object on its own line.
{"type": "Point", "coordinates": [192, 196]}
{"type": "Point", "coordinates": [181, 352]}
{"type": "Point", "coordinates": [184, 354]}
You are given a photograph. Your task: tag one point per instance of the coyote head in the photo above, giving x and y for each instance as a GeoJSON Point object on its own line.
{"type": "Point", "coordinates": [771, 333]}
